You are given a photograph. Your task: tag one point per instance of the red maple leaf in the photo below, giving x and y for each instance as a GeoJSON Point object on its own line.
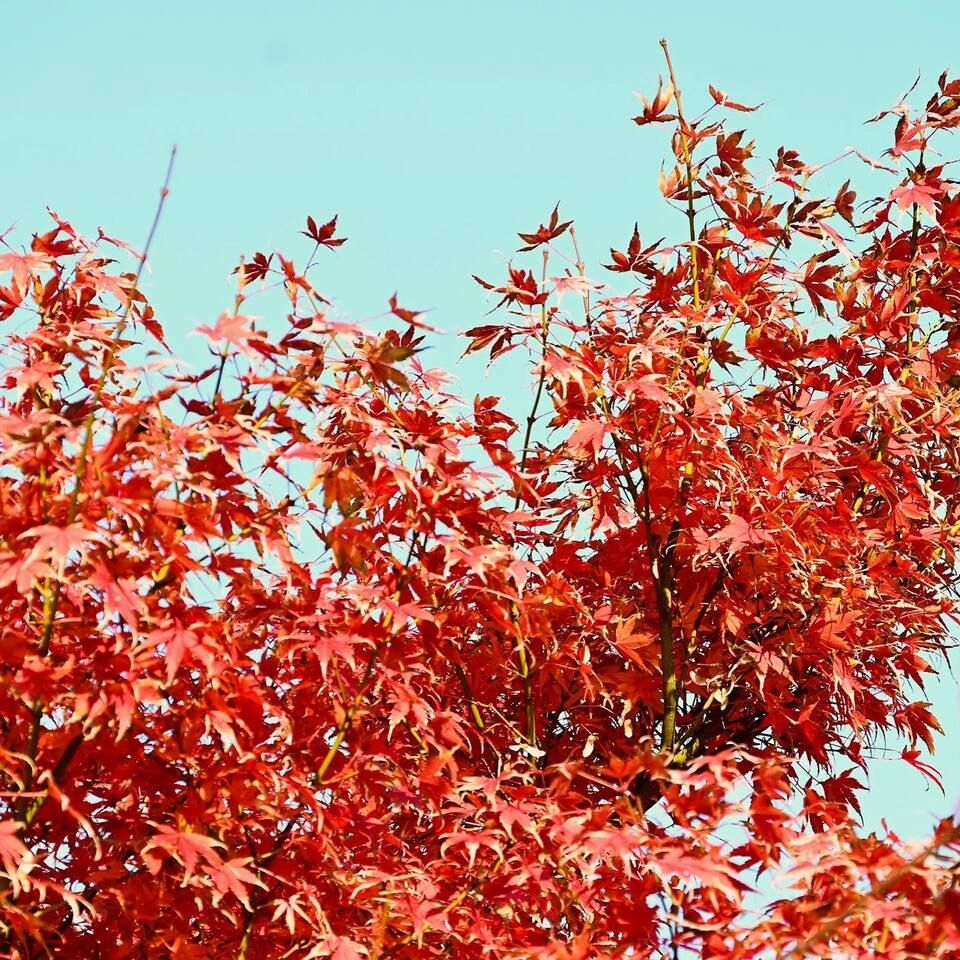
{"type": "Point", "coordinates": [545, 233]}
{"type": "Point", "coordinates": [323, 235]}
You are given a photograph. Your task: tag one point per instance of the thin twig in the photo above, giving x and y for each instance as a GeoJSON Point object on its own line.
{"type": "Point", "coordinates": [52, 592]}
{"type": "Point", "coordinates": [688, 163]}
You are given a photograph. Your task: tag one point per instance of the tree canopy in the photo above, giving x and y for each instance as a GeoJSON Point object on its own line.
{"type": "Point", "coordinates": [303, 656]}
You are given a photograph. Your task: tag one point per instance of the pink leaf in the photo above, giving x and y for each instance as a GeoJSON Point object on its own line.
{"type": "Point", "coordinates": [589, 436]}
{"type": "Point", "coordinates": [232, 876]}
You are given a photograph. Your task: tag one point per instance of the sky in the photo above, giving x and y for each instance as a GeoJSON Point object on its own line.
{"type": "Point", "coordinates": [436, 130]}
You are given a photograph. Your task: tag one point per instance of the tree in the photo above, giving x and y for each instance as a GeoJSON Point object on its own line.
{"type": "Point", "coordinates": [302, 657]}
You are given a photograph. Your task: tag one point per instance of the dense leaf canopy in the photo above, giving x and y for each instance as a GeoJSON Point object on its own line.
{"type": "Point", "coordinates": [302, 656]}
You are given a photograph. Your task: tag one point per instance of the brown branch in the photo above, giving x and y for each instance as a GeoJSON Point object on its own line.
{"type": "Point", "coordinates": [659, 573]}
{"type": "Point", "coordinates": [688, 163]}
{"type": "Point", "coordinates": [522, 655]}
{"type": "Point", "coordinates": [468, 693]}
{"type": "Point", "coordinates": [53, 592]}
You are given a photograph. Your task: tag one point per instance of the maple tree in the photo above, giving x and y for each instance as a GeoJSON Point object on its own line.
{"type": "Point", "coordinates": [303, 657]}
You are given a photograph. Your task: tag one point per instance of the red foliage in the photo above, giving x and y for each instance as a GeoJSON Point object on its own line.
{"type": "Point", "coordinates": [303, 658]}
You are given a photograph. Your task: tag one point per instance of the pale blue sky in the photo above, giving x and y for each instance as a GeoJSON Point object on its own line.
{"type": "Point", "coordinates": [435, 129]}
